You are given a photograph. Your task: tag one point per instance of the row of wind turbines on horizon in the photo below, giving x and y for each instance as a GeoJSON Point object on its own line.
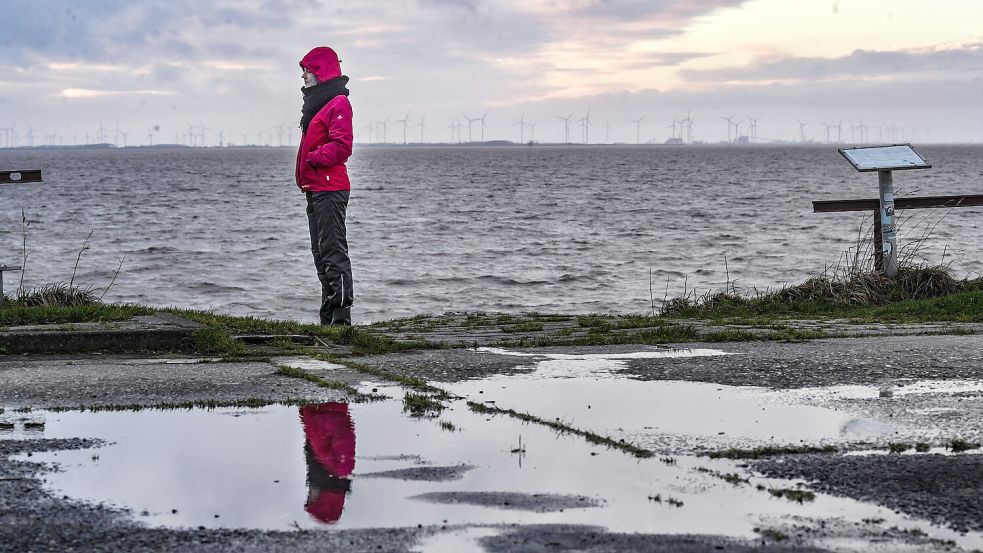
{"type": "Point", "coordinates": [465, 129]}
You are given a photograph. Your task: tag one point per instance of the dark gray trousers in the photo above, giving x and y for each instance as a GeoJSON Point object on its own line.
{"type": "Point", "coordinates": [329, 245]}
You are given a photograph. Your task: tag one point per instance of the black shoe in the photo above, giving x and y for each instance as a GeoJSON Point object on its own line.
{"type": "Point", "coordinates": [341, 316]}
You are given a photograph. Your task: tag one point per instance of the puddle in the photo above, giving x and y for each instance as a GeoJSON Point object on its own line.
{"type": "Point", "coordinates": [590, 392]}
{"type": "Point", "coordinates": [319, 467]}
{"type": "Point", "coordinates": [370, 465]}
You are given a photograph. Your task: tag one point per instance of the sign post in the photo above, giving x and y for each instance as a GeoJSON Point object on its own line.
{"type": "Point", "coordinates": [885, 160]}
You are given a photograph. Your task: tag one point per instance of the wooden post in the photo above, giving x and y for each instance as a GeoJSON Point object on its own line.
{"type": "Point", "coordinates": [889, 236]}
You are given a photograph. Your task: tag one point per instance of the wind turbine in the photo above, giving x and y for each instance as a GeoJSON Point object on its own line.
{"type": "Point", "coordinates": [279, 134]}
{"type": "Point", "coordinates": [689, 127]}
{"type": "Point", "coordinates": [522, 128]}
{"type": "Point", "coordinates": [566, 127]}
{"type": "Point", "coordinates": [673, 127]}
{"type": "Point", "coordinates": [586, 126]}
{"type": "Point", "coordinates": [422, 124]}
{"type": "Point", "coordinates": [802, 130]}
{"type": "Point", "coordinates": [607, 131]}
{"type": "Point", "coordinates": [470, 121]}
{"type": "Point", "coordinates": [483, 125]}
{"type": "Point", "coordinates": [753, 124]}
{"type": "Point", "coordinates": [730, 123]}
{"type": "Point", "coordinates": [150, 138]}
{"type": "Point", "coordinates": [737, 130]}
{"type": "Point", "coordinates": [385, 127]}
{"type": "Point", "coordinates": [191, 134]}
{"type": "Point", "coordinates": [204, 128]}
{"type": "Point", "coordinates": [532, 131]}
{"type": "Point", "coordinates": [638, 129]}
{"type": "Point", "coordinates": [30, 136]}
{"type": "Point", "coordinates": [406, 122]}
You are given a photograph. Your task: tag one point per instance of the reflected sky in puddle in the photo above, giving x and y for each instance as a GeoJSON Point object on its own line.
{"type": "Point", "coordinates": [589, 392]}
{"type": "Point", "coordinates": [332, 466]}
{"type": "Point", "coordinates": [287, 467]}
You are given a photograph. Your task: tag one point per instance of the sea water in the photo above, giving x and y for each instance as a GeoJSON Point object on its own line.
{"type": "Point", "coordinates": [565, 229]}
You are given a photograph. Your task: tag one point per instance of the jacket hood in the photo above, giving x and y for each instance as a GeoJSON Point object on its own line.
{"type": "Point", "coordinates": [323, 62]}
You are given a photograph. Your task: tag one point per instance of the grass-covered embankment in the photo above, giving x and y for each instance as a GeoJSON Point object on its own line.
{"type": "Point", "coordinates": [920, 294]}
{"type": "Point", "coordinates": [66, 305]}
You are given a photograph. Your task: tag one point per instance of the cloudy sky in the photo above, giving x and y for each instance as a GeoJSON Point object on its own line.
{"type": "Point", "coordinates": [160, 66]}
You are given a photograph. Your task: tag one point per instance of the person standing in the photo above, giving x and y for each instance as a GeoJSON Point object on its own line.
{"type": "Point", "coordinates": [325, 146]}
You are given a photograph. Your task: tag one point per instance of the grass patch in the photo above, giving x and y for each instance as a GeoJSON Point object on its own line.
{"type": "Point", "coordinates": [13, 313]}
{"type": "Point", "coordinates": [918, 294]}
{"type": "Point", "coordinates": [362, 340]}
{"type": "Point", "coordinates": [563, 428]}
{"type": "Point", "coordinates": [958, 445]}
{"type": "Point", "coordinates": [772, 534]}
{"type": "Point", "coordinates": [448, 426]}
{"type": "Point", "coordinates": [769, 451]}
{"type": "Point", "coordinates": [798, 496]}
{"type": "Point", "coordinates": [216, 341]}
{"type": "Point", "coordinates": [422, 405]}
{"type": "Point", "coordinates": [895, 447]}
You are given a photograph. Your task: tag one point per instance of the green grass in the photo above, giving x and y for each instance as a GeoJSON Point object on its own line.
{"type": "Point", "coordinates": [772, 534]}
{"type": "Point", "coordinates": [798, 496]}
{"type": "Point", "coordinates": [216, 341]}
{"type": "Point", "coordinates": [15, 314]}
{"type": "Point", "coordinates": [422, 405]}
{"type": "Point", "coordinates": [362, 340]}
{"type": "Point", "coordinates": [919, 294]}
{"type": "Point", "coordinates": [769, 451]}
{"type": "Point", "coordinates": [958, 445]}
{"type": "Point", "coordinates": [896, 447]}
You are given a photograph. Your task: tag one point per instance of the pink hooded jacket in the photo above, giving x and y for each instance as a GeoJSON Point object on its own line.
{"type": "Point", "coordinates": [327, 144]}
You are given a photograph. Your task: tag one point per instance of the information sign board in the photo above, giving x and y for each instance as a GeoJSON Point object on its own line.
{"type": "Point", "coordinates": [884, 158]}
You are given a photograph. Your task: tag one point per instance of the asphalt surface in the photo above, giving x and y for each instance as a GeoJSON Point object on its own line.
{"type": "Point", "coordinates": [103, 380]}
{"type": "Point", "coordinates": [946, 489]}
{"type": "Point", "coordinates": [942, 489]}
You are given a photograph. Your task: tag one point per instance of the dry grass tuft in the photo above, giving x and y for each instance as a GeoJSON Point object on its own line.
{"type": "Point", "coordinates": [60, 295]}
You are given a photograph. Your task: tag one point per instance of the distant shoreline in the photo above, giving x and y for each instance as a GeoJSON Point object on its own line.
{"type": "Point", "coordinates": [487, 144]}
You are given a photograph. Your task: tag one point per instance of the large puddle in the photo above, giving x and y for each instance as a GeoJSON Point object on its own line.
{"type": "Point", "coordinates": [369, 465]}
{"type": "Point", "coordinates": [591, 392]}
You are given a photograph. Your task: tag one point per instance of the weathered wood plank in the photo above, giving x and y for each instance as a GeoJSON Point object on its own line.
{"type": "Point", "coordinates": [16, 177]}
{"type": "Point", "coordinates": [923, 202]}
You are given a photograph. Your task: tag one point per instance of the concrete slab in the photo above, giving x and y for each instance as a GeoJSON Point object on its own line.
{"type": "Point", "coordinates": [161, 331]}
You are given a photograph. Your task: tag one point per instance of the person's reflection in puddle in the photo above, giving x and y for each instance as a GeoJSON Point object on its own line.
{"type": "Point", "coordinates": [330, 450]}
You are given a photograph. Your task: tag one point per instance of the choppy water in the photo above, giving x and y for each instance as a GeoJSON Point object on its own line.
{"type": "Point", "coordinates": [555, 229]}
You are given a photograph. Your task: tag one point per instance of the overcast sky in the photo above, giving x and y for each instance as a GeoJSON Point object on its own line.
{"type": "Point", "coordinates": [231, 66]}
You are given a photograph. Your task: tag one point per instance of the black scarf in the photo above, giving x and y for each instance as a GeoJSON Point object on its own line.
{"type": "Point", "coordinates": [316, 96]}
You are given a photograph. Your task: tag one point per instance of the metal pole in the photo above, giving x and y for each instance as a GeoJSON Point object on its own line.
{"type": "Point", "coordinates": [878, 239]}
{"type": "Point", "coordinates": [889, 240]}
{"type": "Point", "coordinates": [1, 288]}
